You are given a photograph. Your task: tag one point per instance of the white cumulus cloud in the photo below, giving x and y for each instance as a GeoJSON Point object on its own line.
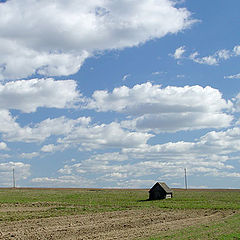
{"type": "Point", "coordinates": [3, 146]}
{"type": "Point", "coordinates": [209, 60]}
{"type": "Point", "coordinates": [236, 76]}
{"type": "Point", "coordinates": [213, 59]}
{"type": "Point", "coordinates": [13, 132]}
{"type": "Point", "coordinates": [237, 103]}
{"type": "Point", "coordinates": [236, 50]}
{"type": "Point", "coordinates": [179, 52]}
{"type": "Point", "coordinates": [104, 136]}
{"type": "Point", "coordinates": [165, 109]}
{"type": "Point", "coordinates": [29, 155]}
{"type": "Point", "coordinates": [54, 38]}
{"type": "Point", "coordinates": [209, 156]}
{"type": "Point", "coordinates": [77, 132]}
{"type": "Point", "coordinates": [28, 95]}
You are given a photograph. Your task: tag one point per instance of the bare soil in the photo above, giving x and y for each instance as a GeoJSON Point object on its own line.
{"type": "Point", "coordinates": [132, 224]}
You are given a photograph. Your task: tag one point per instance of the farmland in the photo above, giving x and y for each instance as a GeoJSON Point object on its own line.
{"type": "Point", "coordinates": [118, 214]}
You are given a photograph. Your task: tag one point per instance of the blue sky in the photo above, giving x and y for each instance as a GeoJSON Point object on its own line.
{"type": "Point", "coordinates": [119, 93]}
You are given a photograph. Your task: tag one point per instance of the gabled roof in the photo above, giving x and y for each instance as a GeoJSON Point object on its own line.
{"type": "Point", "coordinates": [163, 185]}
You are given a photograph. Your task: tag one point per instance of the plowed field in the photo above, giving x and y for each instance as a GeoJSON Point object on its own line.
{"type": "Point", "coordinates": [131, 224]}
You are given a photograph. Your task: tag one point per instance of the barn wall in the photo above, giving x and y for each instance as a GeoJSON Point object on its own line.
{"type": "Point", "coordinates": [157, 193]}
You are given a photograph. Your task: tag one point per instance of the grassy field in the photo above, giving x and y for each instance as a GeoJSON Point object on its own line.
{"type": "Point", "coordinates": [223, 230]}
{"type": "Point", "coordinates": [62, 202]}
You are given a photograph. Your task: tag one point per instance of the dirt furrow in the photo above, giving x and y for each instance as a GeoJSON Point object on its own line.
{"type": "Point", "coordinates": [105, 226]}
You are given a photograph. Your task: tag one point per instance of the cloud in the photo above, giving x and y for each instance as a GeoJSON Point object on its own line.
{"type": "Point", "coordinates": [125, 77]}
{"type": "Point", "coordinates": [98, 160]}
{"type": "Point", "coordinates": [165, 162]}
{"type": "Point", "coordinates": [211, 60]}
{"type": "Point", "coordinates": [164, 100]}
{"type": "Point", "coordinates": [179, 52]}
{"type": "Point", "coordinates": [3, 146]}
{"type": "Point", "coordinates": [165, 109]}
{"type": "Point", "coordinates": [236, 76]}
{"type": "Point", "coordinates": [223, 142]}
{"type": "Point", "coordinates": [101, 166]}
{"type": "Point", "coordinates": [173, 122]}
{"type": "Point", "coordinates": [236, 50]}
{"type": "Point", "coordinates": [8, 124]}
{"type": "Point", "coordinates": [51, 148]}
{"type": "Point", "coordinates": [108, 157]}
{"type": "Point", "coordinates": [71, 132]}
{"type": "Point", "coordinates": [22, 171]}
{"type": "Point", "coordinates": [104, 136]}
{"type": "Point", "coordinates": [237, 103]}
{"type": "Point", "coordinates": [224, 54]}
{"type": "Point", "coordinates": [159, 73]}
{"type": "Point", "coordinates": [53, 38]}
{"type": "Point", "coordinates": [12, 132]}
{"type": "Point", "coordinates": [62, 181]}
{"type": "Point", "coordinates": [28, 95]}
{"type": "Point", "coordinates": [20, 61]}
{"type": "Point", "coordinates": [210, 156]}
{"type": "Point", "coordinates": [65, 170]}
{"type": "Point", "coordinates": [29, 155]}
{"type": "Point", "coordinates": [214, 144]}
{"type": "Point", "coordinates": [180, 76]}
{"type": "Point", "coordinates": [4, 156]}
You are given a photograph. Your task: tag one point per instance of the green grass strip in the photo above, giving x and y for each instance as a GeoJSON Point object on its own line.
{"type": "Point", "coordinates": [226, 229]}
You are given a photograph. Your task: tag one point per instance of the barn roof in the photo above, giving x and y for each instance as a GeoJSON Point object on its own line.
{"type": "Point", "coordinates": [163, 185]}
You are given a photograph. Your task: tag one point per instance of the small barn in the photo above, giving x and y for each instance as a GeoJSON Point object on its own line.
{"type": "Point", "coordinates": [160, 191]}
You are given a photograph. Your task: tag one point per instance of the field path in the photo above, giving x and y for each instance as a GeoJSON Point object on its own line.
{"type": "Point", "coordinates": [130, 224]}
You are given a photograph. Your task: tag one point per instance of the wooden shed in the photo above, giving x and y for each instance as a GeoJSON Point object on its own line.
{"type": "Point", "coordinates": [160, 191]}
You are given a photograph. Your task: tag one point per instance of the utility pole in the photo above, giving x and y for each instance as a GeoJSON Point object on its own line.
{"type": "Point", "coordinates": [185, 171]}
{"type": "Point", "coordinates": [14, 182]}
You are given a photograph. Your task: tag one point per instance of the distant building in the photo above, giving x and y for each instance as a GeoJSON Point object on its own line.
{"type": "Point", "coordinates": [160, 191]}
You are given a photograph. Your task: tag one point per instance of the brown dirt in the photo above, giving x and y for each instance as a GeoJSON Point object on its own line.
{"type": "Point", "coordinates": [130, 224]}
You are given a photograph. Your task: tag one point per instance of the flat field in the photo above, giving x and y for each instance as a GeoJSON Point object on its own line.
{"type": "Point", "coordinates": [118, 214]}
